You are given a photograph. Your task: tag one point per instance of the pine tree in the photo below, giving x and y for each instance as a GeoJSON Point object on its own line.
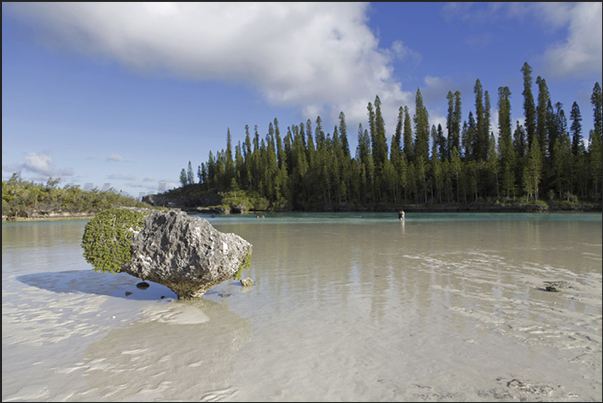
{"type": "Point", "coordinates": [343, 135]}
{"type": "Point", "coordinates": [455, 141]}
{"type": "Point", "coordinates": [456, 167]}
{"type": "Point", "coordinates": [442, 143]}
{"type": "Point", "coordinates": [380, 153]}
{"type": "Point", "coordinates": [280, 152]}
{"type": "Point", "coordinates": [533, 170]}
{"type": "Point", "coordinates": [520, 146]}
{"type": "Point", "coordinates": [364, 156]}
{"type": "Point", "coordinates": [529, 107]}
{"type": "Point", "coordinates": [576, 128]}
{"type": "Point", "coordinates": [408, 137]}
{"type": "Point", "coordinates": [595, 143]}
{"type": "Point", "coordinates": [183, 178]}
{"type": "Point", "coordinates": [468, 138]}
{"type": "Point", "coordinates": [492, 169]}
{"type": "Point", "coordinates": [204, 179]}
{"type": "Point", "coordinates": [596, 100]}
{"type": "Point", "coordinates": [544, 99]}
{"type": "Point", "coordinates": [481, 138]}
{"type": "Point", "coordinates": [595, 163]}
{"type": "Point", "coordinates": [436, 169]}
{"type": "Point", "coordinates": [562, 155]}
{"type": "Point", "coordinates": [505, 142]}
{"type": "Point", "coordinates": [421, 146]}
{"type": "Point", "coordinates": [449, 121]}
{"type": "Point", "coordinates": [190, 176]}
{"type": "Point", "coordinates": [395, 152]}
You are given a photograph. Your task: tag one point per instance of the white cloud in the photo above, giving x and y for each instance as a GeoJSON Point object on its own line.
{"type": "Point", "coordinates": [41, 165]}
{"type": "Point", "coordinates": [581, 52]}
{"type": "Point", "coordinates": [117, 158]}
{"type": "Point", "coordinates": [315, 56]}
{"type": "Point", "coordinates": [578, 54]}
{"type": "Point", "coordinates": [44, 165]}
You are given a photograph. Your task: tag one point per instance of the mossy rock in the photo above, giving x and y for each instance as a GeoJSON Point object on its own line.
{"type": "Point", "coordinates": [245, 265]}
{"type": "Point", "coordinates": [107, 239]}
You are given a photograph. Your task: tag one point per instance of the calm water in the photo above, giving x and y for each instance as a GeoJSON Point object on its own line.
{"type": "Point", "coordinates": [345, 307]}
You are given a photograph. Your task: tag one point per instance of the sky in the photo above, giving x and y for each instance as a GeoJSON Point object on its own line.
{"type": "Point", "coordinates": [124, 95]}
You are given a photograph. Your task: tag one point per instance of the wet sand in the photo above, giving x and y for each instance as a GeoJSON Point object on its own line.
{"type": "Point", "coordinates": [364, 310]}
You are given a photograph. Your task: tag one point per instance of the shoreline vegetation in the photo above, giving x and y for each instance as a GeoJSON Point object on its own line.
{"type": "Point", "coordinates": [28, 201]}
{"type": "Point", "coordinates": [198, 204]}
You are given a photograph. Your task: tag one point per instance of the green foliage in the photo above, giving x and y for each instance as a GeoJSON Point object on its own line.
{"type": "Point", "coordinates": [107, 238]}
{"type": "Point", "coordinates": [311, 169]}
{"type": "Point", "coordinates": [23, 198]}
{"type": "Point", "coordinates": [245, 265]}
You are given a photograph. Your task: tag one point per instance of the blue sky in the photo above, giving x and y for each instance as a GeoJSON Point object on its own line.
{"type": "Point", "coordinates": [124, 95]}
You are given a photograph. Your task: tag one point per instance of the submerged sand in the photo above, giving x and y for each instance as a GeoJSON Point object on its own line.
{"type": "Point", "coordinates": [362, 311]}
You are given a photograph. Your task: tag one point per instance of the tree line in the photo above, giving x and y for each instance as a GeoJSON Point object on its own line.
{"type": "Point", "coordinates": [546, 158]}
{"type": "Point", "coordinates": [22, 198]}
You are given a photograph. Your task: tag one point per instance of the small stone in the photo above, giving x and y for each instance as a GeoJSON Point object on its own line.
{"type": "Point", "coordinates": [551, 288]}
{"type": "Point", "coordinates": [172, 300]}
{"type": "Point", "coordinates": [128, 293]}
{"type": "Point", "coordinates": [142, 285]}
{"type": "Point", "coordinates": [163, 296]}
{"type": "Point", "coordinates": [247, 282]}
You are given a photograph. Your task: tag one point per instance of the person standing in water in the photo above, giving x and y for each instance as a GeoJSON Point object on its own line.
{"type": "Point", "coordinates": [401, 215]}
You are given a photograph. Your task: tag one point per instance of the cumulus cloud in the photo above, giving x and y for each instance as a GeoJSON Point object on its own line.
{"type": "Point", "coordinates": [581, 52]}
{"type": "Point", "coordinates": [578, 54]}
{"type": "Point", "coordinates": [41, 165]}
{"type": "Point", "coordinates": [307, 55]}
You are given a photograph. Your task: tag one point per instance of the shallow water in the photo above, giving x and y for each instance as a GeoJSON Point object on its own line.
{"type": "Point", "coordinates": [345, 307]}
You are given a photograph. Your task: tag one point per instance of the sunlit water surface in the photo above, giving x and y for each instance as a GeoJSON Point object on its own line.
{"type": "Point", "coordinates": [344, 307]}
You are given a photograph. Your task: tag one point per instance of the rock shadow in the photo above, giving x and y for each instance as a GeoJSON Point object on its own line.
{"type": "Point", "coordinates": [119, 285]}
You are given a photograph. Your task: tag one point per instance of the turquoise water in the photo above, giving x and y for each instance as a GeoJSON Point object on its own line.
{"type": "Point", "coordinates": [364, 218]}
{"type": "Point", "coordinates": [346, 306]}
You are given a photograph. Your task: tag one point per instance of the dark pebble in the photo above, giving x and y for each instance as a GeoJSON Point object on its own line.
{"type": "Point", "coordinates": [143, 285]}
{"type": "Point", "coordinates": [128, 293]}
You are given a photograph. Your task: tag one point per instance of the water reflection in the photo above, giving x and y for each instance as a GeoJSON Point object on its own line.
{"type": "Point", "coordinates": [359, 309]}
{"type": "Point", "coordinates": [418, 271]}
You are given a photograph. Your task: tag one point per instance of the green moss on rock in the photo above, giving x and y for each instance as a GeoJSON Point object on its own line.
{"type": "Point", "coordinates": [108, 237]}
{"type": "Point", "coordinates": [245, 265]}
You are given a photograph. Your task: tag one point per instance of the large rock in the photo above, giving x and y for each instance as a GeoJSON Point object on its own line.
{"type": "Point", "coordinates": [186, 254]}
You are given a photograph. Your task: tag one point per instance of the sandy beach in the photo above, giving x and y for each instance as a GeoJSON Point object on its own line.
{"type": "Point", "coordinates": [363, 310]}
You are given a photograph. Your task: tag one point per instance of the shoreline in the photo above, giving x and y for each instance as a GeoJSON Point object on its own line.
{"type": "Point", "coordinates": [51, 217]}
{"type": "Point", "coordinates": [480, 208]}
{"type": "Point", "coordinates": [521, 208]}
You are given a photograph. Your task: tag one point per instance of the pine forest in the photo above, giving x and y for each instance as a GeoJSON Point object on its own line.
{"type": "Point", "coordinates": [547, 158]}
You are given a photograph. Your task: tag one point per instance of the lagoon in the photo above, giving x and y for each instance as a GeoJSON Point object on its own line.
{"type": "Point", "coordinates": [346, 306]}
